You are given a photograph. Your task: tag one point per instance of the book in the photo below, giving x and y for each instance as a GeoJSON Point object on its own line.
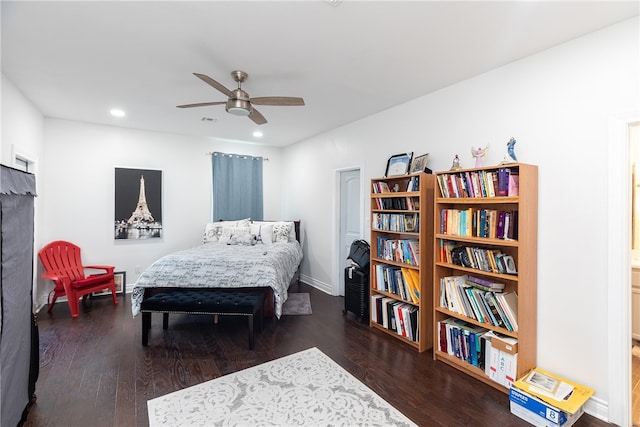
{"type": "Point", "coordinates": [413, 317]}
{"type": "Point", "coordinates": [461, 340]}
{"type": "Point", "coordinates": [513, 187]}
{"type": "Point", "coordinates": [482, 287]}
{"type": "Point", "coordinates": [444, 190]}
{"type": "Point", "coordinates": [386, 322]}
{"type": "Point", "coordinates": [479, 316]}
{"type": "Point", "coordinates": [512, 232]}
{"type": "Point", "coordinates": [493, 311]}
{"type": "Point", "coordinates": [496, 303]}
{"type": "Point", "coordinates": [442, 337]}
{"type": "Point", "coordinates": [500, 225]}
{"type": "Point", "coordinates": [484, 282]}
{"type": "Point", "coordinates": [416, 282]}
{"type": "Point", "coordinates": [376, 303]}
{"type": "Point", "coordinates": [478, 296]}
{"type": "Point", "coordinates": [412, 285]}
{"type": "Point", "coordinates": [509, 303]}
{"type": "Point", "coordinates": [401, 327]}
{"type": "Point", "coordinates": [503, 182]}
{"type": "Point", "coordinates": [491, 192]}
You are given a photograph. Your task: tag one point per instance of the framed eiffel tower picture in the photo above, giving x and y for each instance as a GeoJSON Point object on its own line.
{"type": "Point", "coordinates": [138, 204]}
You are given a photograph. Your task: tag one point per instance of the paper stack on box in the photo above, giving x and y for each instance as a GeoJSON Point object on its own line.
{"type": "Point", "coordinates": [548, 400]}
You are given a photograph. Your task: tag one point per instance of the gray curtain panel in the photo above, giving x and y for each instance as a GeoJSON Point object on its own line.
{"type": "Point", "coordinates": [237, 187]}
{"type": "Point", "coordinates": [17, 192]}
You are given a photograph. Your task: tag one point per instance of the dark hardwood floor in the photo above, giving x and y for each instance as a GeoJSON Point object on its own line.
{"type": "Point", "coordinates": [95, 372]}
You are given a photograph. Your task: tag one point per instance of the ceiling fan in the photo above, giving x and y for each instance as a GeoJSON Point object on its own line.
{"type": "Point", "coordinates": [239, 102]}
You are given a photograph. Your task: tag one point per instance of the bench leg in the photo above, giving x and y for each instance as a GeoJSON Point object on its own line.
{"type": "Point", "coordinates": [165, 321]}
{"type": "Point", "coordinates": [251, 340]}
{"type": "Point", "coordinates": [146, 324]}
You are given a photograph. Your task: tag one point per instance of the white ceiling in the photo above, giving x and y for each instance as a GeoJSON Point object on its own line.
{"type": "Point", "coordinates": [77, 60]}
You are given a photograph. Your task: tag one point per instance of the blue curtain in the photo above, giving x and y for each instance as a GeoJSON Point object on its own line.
{"type": "Point", "coordinates": [237, 187]}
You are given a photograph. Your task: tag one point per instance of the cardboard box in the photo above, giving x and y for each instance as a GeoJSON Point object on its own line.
{"type": "Point", "coordinates": [538, 412]}
{"type": "Point", "coordinates": [508, 345]}
{"type": "Point", "coordinates": [503, 360]}
{"type": "Point", "coordinates": [554, 390]}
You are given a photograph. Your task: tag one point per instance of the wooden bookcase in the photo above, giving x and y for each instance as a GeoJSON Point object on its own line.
{"type": "Point", "coordinates": [450, 231]}
{"type": "Point", "coordinates": [402, 210]}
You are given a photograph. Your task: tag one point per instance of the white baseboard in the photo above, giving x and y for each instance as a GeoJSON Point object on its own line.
{"type": "Point", "coordinates": [597, 408]}
{"type": "Point", "coordinates": [324, 287]}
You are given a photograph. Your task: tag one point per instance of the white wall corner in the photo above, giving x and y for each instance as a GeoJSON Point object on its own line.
{"type": "Point", "coordinates": [324, 287]}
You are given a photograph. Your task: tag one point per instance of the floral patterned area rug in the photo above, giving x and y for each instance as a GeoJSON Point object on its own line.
{"type": "Point", "coordinates": [302, 389]}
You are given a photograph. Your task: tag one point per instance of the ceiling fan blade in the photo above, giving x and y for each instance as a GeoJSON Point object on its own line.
{"type": "Point", "coordinates": [201, 104]}
{"type": "Point", "coordinates": [257, 117]}
{"type": "Point", "coordinates": [208, 80]}
{"type": "Point", "coordinates": [278, 100]}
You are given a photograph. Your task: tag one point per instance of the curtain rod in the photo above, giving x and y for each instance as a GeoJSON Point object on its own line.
{"type": "Point", "coordinates": [266, 159]}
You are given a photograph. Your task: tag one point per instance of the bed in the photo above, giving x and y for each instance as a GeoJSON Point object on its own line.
{"type": "Point", "coordinates": [244, 255]}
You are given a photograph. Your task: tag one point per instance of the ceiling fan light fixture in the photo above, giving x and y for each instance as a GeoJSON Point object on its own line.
{"type": "Point", "coordinates": [238, 107]}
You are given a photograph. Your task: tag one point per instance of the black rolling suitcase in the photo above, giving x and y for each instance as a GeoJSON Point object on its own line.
{"type": "Point", "coordinates": [356, 292]}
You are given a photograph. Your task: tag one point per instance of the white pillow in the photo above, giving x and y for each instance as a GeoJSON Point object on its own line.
{"type": "Point", "coordinates": [281, 232]}
{"type": "Point", "coordinates": [242, 238]}
{"type": "Point", "coordinates": [212, 232]}
{"type": "Point", "coordinates": [229, 232]}
{"type": "Point", "coordinates": [292, 230]}
{"type": "Point", "coordinates": [238, 223]}
{"type": "Point", "coordinates": [263, 231]}
{"type": "Point", "coordinates": [291, 233]}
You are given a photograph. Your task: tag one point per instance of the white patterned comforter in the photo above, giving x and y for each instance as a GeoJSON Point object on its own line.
{"type": "Point", "coordinates": [223, 266]}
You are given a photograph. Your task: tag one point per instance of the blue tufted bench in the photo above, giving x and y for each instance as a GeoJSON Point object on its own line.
{"type": "Point", "coordinates": [202, 301]}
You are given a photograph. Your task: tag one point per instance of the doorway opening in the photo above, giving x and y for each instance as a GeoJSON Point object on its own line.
{"type": "Point", "coordinates": [350, 213]}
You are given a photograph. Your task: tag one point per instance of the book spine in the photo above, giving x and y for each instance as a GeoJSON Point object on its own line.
{"type": "Point", "coordinates": [503, 182]}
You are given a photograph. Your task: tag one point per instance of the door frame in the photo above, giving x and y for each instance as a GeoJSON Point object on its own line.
{"type": "Point", "coordinates": [619, 268]}
{"type": "Point", "coordinates": [335, 288]}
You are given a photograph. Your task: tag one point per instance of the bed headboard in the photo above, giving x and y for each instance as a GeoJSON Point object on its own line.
{"type": "Point", "coordinates": [296, 225]}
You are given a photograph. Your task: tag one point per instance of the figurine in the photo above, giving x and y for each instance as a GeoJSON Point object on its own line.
{"type": "Point", "coordinates": [510, 157]}
{"type": "Point", "coordinates": [479, 153]}
{"type": "Point", "coordinates": [456, 164]}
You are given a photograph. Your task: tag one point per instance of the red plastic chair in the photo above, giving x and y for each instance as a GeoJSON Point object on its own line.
{"type": "Point", "coordinates": [63, 266]}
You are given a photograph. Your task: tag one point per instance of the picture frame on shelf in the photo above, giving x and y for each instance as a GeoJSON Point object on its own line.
{"type": "Point", "coordinates": [419, 164]}
{"type": "Point", "coordinates": [398, 164]}
{"type": "Point", "coordinates": [411, 223]}
{"type": "Point", "coordinates": [120, 277]}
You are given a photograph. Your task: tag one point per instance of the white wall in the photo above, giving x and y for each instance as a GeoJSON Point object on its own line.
{"type": "Point", "coordinates": [557, 104]}
{"type": "Point", "coordinates": [77, 188]}
{"type": "Point", "coordinates": [22, 134]}
{"type": "Point", "coordinates": [22, 125]}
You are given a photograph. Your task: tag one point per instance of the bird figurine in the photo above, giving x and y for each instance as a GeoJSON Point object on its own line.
{"type": "Point", "coordinates": [478, 154]}
{"type": "Point", "coordinates": [510, 157]}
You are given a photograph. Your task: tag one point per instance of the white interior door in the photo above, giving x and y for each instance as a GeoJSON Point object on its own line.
{"type": "Point", "coordinates": [350, 218]}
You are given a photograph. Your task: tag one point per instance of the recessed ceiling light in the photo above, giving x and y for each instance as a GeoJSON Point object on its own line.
{"type": "Point", "coordinates": [117, 112]}
{"type": "Point", "coordinates": [257, 134]}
